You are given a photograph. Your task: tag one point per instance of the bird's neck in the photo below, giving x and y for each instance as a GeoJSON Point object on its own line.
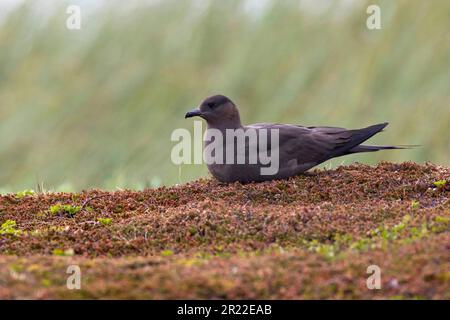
{"type": "Point", "coordinates": [224, 125]}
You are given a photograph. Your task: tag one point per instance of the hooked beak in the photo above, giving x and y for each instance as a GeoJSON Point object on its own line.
{"type": "Point", "coordinates": [193, 113]}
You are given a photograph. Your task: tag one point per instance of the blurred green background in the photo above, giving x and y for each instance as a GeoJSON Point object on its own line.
{"type": "Point", "coordinates": [95, 108]}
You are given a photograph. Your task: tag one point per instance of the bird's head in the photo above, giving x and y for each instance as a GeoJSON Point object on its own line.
{"type": "Point", "coordinates": [218, 111]}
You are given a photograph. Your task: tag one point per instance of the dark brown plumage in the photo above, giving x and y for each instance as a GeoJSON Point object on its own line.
{"type": "Point", "coordinates": [300, 148]}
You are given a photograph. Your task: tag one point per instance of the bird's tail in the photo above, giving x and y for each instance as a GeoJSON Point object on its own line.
{"type": "Point", "coordinates": [363, 148]}
{"type": "Point", "coordinates": [361, 135]}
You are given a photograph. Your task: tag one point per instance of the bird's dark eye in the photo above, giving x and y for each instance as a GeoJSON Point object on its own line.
{"type": "Point", "coordinates": [211, 105]}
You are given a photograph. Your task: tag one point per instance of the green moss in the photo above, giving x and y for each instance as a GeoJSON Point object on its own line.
{"type": "Point", "coordinates": [192, 230]}
{"type": "Point", "coordinates": [16, 267]}
{"type": "Point", "coordinates": [440, 224]}
{"type": "Point", "coordinates": [46, 282]}
{"type": "Point", "coordinates": [24, 193]}
{"type": "Point", "coordinates": [440, 183]}
{"type": "Point", "coordinates": [104, 221]}
{"type": "Point", "coordinates": [167, 253]}
{"type": "Point", "coordinates": [442, 220]}
{"type": "Point", "coordinates": [401, 232]}
{"type": "Point", "coordinates": [66, 209]}
{"type": "Point", "coordinates": [63, 253]}
{"type": "Point", "coordinates": [9, 228]}
{"type": "Point", "coordinates": [415, 204]}
{"type": "Point", "coordinates": [402, 297]}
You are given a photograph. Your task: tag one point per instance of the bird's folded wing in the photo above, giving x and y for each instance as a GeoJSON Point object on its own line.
{"type": "Point", "coordinates": [309, 144]}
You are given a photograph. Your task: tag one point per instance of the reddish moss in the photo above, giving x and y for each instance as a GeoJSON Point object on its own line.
{"type": "Point", "coordinates": [228, 240]}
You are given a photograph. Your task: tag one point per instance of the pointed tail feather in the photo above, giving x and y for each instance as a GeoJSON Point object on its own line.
{"type": "Point", "coordinates": [355, 137]}
{"type": "Point", "coordinates": [363, 148]}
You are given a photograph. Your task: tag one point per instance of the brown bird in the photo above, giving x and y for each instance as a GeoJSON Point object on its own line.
{"type": "Point", "coordinates": [297, 148]}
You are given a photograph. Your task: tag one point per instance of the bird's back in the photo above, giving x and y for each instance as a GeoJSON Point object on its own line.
{"type": "Point", "coordinates": [298, 148]}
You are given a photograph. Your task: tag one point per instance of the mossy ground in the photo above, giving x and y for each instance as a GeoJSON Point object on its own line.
{"type": "Point", "coordinates": [310, 236]}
